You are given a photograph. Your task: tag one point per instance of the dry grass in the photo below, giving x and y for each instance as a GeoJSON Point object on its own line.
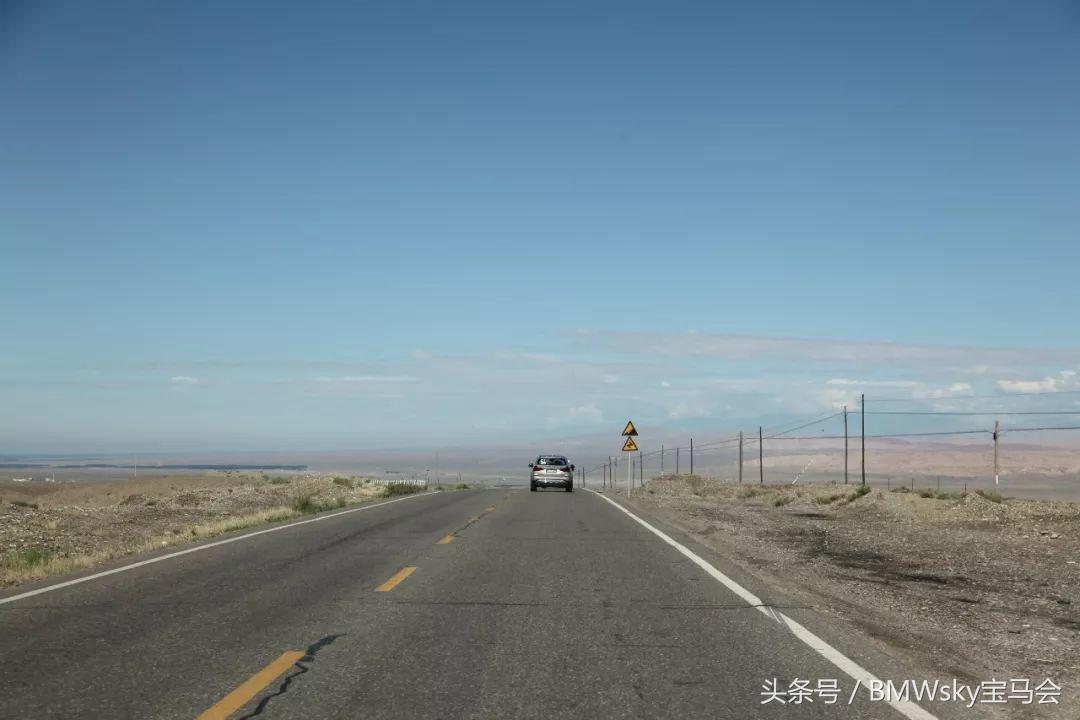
{"type": "Point", "coordinates": [25, 565]}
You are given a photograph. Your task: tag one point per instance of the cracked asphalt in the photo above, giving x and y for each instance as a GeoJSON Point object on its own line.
{"type": "Point", "coordinates": [533, 605]}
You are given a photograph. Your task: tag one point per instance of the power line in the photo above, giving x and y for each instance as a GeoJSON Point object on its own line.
{"type": "Point", "coordinates": [1067, 427]}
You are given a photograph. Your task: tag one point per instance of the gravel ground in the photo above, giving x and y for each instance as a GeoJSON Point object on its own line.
{"type": "Point", "coordinates": [51, 528]}
{"type": "Point", "coordinates": [968, 587]}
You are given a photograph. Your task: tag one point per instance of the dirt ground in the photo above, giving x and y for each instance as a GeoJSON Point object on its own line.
{"type": "Point", "coordinates": [967, 587]}
{"type": "Point", "coordinates": [50, 528]}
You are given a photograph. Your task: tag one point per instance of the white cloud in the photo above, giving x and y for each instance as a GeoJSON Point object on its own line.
{"type": "Point", "coordinates": [753, 347]}
{"type": "Point", "coordinates": [687, 409]}
{"type": "Point", "coordinates": [184, 380]}
{"type": "Point", "coordinates": [845, 391]}
{"type": "Point", "coordinates": [665, 384]}
{"type": "Point", "coordinates": [581, 415]}
{"type": "Point", "coordinates": [609, 379]}
{"type": "Point", "coordinates": [1064, 380]}
{"type": "Point", "coordinates": [368, 379]}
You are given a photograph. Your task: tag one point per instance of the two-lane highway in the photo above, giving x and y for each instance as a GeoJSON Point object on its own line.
{"type": "Point", "coordinates": [475, 604]}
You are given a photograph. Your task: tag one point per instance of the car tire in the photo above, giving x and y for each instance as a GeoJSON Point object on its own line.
{"type": "Point", "coordinates": [532, 487]}
{"type": "Point", "coordinates": [570, 487]}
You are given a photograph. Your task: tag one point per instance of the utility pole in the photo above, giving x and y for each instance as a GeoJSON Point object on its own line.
{"type": "Point", "coordinates": [676, 461]}
{"type": "Point", "coordinates": [845, 447]}
{"type": "Point", "coordinates": [641, 468]}
{"type": "Point", "coordinates": [740, 457]}
{"type": "Point", "coordinates": [862, 419]}
{"type": "Point", "coordinates": [691, 456]}
{"type": "Point", "coordinates": [661, 461]}
{"type": "Point", "coordinates": [997, 429]}
{"type": "Point", "coordinates": [438, 481]}
{"type": "Point", "coordinates": [761, 456]}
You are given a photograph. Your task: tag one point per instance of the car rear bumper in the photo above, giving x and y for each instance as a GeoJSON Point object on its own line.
{"type": "Point", "coordinates": [543, 481]}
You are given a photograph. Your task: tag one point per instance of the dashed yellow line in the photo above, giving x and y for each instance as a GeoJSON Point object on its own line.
{"type": "Point", "coordinates": [251, 687]}
{"type": "Point", "coordinates": [396, 578]}
{"type": "Point", "coordinates": [449, 538]}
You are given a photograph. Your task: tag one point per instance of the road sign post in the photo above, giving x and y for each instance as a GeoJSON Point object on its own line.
{"type": "Point", "coordinates": [629, 432]}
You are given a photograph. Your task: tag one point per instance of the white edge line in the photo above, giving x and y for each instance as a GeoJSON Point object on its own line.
{"type": "Point", "coordinates": [197, 548]}
{"type": "Point", "coordinates": [827, 651]}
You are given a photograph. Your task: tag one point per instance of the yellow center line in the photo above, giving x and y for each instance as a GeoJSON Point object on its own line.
{"type": "Point", "coordinates": [447, 539]}
{"type": "Point", "coordinates": [239, 697]}
{"type": "Point", "coordinates": [396, 578]}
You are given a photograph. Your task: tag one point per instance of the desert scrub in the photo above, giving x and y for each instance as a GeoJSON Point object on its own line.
{"type": "Point", "coordinates": [829, 499]}
{"type": "Point", "coordinates": [279, 481]}
{"type": "Point", "coordinates": [401, 489]}
{"type": "Point", "coordinates": [782, 500]}
{"type": "Point", "coordinates": [21, 560]}
{"type": "Point", "coordinates": [305, 504]}
{"type": "Point", "coordinates": [461, 486]}
{"type": "Point", "coordinates": [24, 504]}
{"type": "Point", "coordinates": [988, 495]}
{"type": "Point", "coordinates": [344, 482]}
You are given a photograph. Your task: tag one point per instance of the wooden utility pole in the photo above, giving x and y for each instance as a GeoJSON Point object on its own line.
{"type": "Point", "coordinates": [761, 456]}
{"type": "Point", "coordinates": [740, 456]}
{"type": "Point", "coordinates": [845, 447]}
{"type": "Point", "coordinates": [862, 419]}
{"type": "Point", "coordinates": [661, 461]}
{"type": "Point", "coordinates": [997, 429]}
{"type": "Point", "coordinates": [641, 468]}
{"type": "Point", "coordinates": [676, 461]}
{"type": "Point", "coordinates": [691, 456]}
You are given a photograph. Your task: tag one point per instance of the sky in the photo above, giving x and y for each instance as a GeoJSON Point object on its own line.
{"type": "Point", "coordinates": [270, 225]}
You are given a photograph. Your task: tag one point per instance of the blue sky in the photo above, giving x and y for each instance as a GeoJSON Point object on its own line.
{"type": "Point", "coordinates": [345, 225]}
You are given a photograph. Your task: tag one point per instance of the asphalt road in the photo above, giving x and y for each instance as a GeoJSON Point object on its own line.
{"type": "Point", "coordinates": [521, 605]}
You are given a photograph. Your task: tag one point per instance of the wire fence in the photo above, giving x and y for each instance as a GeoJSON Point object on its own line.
{"type": "Point", "coordinates": [850, 448]}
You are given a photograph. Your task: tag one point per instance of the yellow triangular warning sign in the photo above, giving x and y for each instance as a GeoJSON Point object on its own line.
{"type": "Point", "coordinates": [629, 445]}
{"type": "Point", "coordinates": [629, 429]}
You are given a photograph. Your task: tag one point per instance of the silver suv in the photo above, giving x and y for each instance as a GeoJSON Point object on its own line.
{"type": "Point", "coordinates": [551, 471]}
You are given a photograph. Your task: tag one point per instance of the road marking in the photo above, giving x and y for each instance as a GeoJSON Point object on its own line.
{"type": "Point", "coordinates": [446, 540]}
{"type": "Point", "coordinates": [396, 578]}
{"type": "Point", "coordinates": [169, 556]}
{"type": "Point", "coordinates": [251, 687]}
{"type": "Point", "coordinates": [858, 673]}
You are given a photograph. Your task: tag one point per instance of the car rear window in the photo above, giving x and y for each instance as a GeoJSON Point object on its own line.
{"type": "Point", "coordinates": [551, 461]}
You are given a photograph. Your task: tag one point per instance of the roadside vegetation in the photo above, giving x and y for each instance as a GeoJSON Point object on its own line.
{"type": "Point", "coordinates": [78, 527]}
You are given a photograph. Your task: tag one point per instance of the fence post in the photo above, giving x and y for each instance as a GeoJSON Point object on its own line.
{"type": "Point", "coordinates": [845, 447]}
{"type": "Point", "coordinates": [862, 419]}
{"type": "Point", "coordinates": [997, 428]}
{"type": "Point", "coordinates": [761, 456]}
{"type": "Point", "coordinates": [740, 456]}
